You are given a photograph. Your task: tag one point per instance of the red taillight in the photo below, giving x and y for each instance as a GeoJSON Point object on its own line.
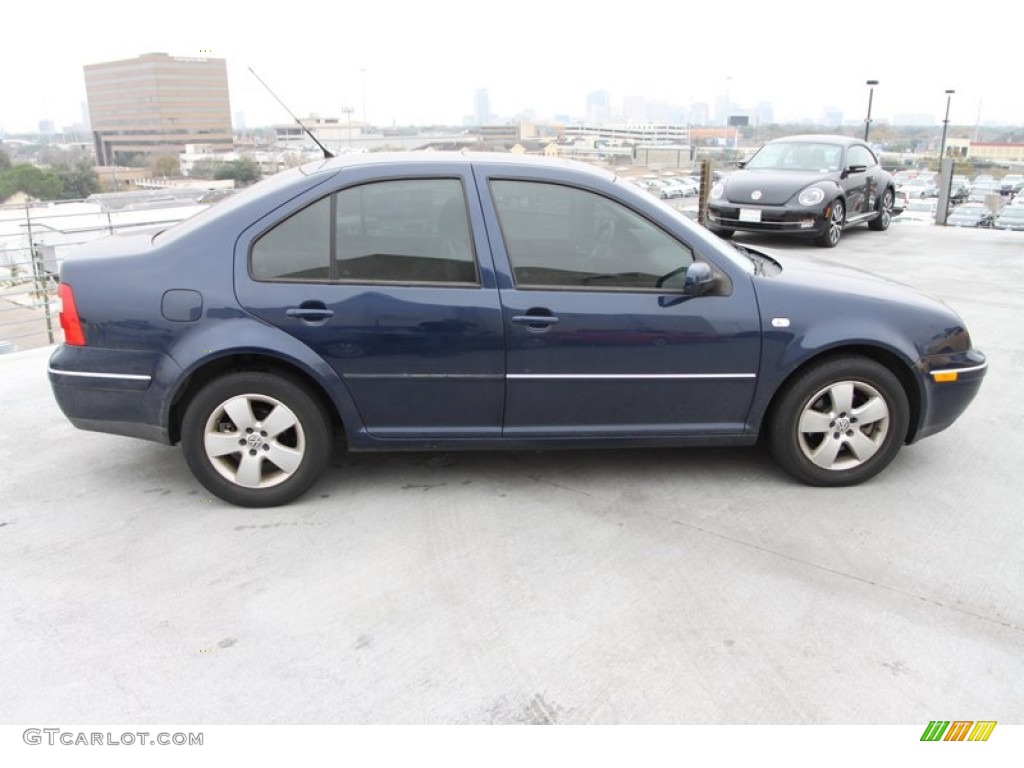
{"type": "Point", "coordinates": [69, 322]}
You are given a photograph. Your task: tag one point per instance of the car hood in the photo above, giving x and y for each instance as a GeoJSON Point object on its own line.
{"type": "Point", "coordinates": [823, 279]}
{"type": "Point", "coordinates": [776, 187]}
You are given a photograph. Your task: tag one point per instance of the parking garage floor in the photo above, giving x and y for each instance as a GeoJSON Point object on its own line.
{"type": "Point", "coordinates": [671, 586]}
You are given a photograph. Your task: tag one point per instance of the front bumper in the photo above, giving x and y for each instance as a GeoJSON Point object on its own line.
{"type": "Point", "coordinates": [770, 218]}
{"type": "Point", "coordinates": [951, 382]}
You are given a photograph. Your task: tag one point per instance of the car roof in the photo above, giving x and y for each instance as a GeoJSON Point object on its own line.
{"type": "Point", "coordinates": [824, 138]}
{"type": "Point", "coordinates": [425, 159]}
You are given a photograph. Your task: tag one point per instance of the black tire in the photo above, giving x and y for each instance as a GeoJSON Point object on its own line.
{"type": "Point", "coordinates": [885, 203]}
{"type": "Point", "coordinates": [725, 234]}
{"type": "Point", "coordinates": [839, 422]}
{"type": "Point", "coordinates": [234, 458]}
{"type": "Point", "coordinates": [830, 236]}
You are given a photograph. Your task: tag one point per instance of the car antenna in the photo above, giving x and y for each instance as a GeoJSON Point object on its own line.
{"type": "Point", "coordinates": [327, 153]}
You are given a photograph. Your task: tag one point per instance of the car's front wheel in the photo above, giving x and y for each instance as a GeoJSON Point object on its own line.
{"type": "Point", "coordinates": [840, 422]}
{"type": "Point", "coordinates": [829, 237]}
{"type": "Point", "coordinates": [881, 222]}
{"type": "Point", "coordinates": [256, 439]}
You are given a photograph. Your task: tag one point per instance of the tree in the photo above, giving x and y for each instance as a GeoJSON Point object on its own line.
{"type": "Point", "coordinates": [33, 181]}
{"type": "Point", "coordinates": [5, 161]}
{"type": "Point", "coordinates": [243, 171]}
{"type": "Point", "coordinates": [204, 168]}
{"type": "Point", "coordinates": [165, 166]}
{"type": "Point", "coordinates": [78, 180]}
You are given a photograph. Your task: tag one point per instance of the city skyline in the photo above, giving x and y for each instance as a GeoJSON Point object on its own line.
{"type": "Point", "coordinates": [423, 65]}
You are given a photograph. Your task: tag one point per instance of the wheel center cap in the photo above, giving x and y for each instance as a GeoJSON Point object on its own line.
{"type": "Point", "coordinates": [255, 441]}
{"type": "Point", "coordinates": [842, 424]}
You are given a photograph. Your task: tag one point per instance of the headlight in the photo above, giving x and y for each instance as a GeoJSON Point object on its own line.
{"type": "Point", "coordinates": [811, 196]}
{"type": "Point", "coordinates": [717, 190]}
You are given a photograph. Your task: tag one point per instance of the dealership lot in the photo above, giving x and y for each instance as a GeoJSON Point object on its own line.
{"type": "Point", "coordinates": [674, 586]}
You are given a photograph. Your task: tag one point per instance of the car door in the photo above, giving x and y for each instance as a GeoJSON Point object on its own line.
{"type": "Point", "coordinates": [387, 279]}
{"type": "Point", "coordinates": [600, 339]}
{"type": "Point", "coordinates": [861, 186]}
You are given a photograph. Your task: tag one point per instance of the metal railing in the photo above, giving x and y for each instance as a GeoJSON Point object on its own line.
{"type": "Point", "coordinates": [34, 239]}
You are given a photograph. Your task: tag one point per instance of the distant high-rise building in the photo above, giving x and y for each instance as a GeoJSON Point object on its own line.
{"type": "Point", "coordinates": [156, 104]}
{"type": "Point", "coordinates": [764, 113]}
{"type": "Point", "coordinates": [634, 109]}
{"type": "Point", "coordinates": [599, 107]}
{"type": "Point", "coordinates": [47, 128]}
{"type": "Point", "coordinates": [240, 120]}
{"type": "Point", "coordinates": [482, 107]}
{"type": "Point", "coordinates": [700, 113]}
{"type": "Point", "coordinates": [725, 108]}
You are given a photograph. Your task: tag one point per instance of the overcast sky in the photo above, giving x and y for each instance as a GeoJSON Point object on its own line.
{"type": "Point", "coordinates": [422, 61]}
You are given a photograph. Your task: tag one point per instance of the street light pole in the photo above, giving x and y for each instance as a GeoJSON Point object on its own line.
{"type": "Point", "coordinates": [871, 95]}
{"type": "Point", "coordinates": [348, 112]}
{"type": "Point", "coordinates": [945, 125]}
{"type": "Point", "coordinates": [362, 75]}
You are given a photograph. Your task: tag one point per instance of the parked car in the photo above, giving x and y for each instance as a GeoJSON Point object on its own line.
{"type": "Point", "coordinates": [1011, 217]}
{"type": "Point", "coordinates": [670, 189]}
{"type": "Point", "coordinates": [900, 203]}
{"type": "Point", "coordinates": [959, 189]}
{"type": "Point", "coordinates": [970, 215]}
{"type": "Point", "coordinates": [1011, 184]}
{"type": "Point", "coordinates": [446, 301]}
{"type": "Point", "coordinates": [686, 186]}
{"type": "Point", "coordinates": [918, 188]}
{"type": "Point", "coordinates": [814, 186]}
{"type": "Point", "coordinates": [981, 190]}
{"type": "Point", "coordinates": [919, 212]}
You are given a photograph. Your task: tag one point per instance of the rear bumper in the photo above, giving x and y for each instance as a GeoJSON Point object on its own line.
{"type": "Point", "coordinates": [116, 391]}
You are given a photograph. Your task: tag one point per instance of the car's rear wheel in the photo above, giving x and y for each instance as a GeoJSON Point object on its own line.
{"type": "Point", "coordinates": [829, 238]}
{"type": "Point", "coordinates": [725, 234]}
{"type": "Point", "coordinates": [881, 222]}
{"type": "Point", "coordinates": [840, 422]}
{"type": "Point", "coordinates": [256, 439]}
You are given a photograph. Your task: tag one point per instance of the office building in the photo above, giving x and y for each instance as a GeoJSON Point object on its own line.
{"type": "Point", "coordinates": [155, 104]}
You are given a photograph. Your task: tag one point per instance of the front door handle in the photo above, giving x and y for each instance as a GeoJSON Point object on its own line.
{"type": "Point", "coordinates": [536, 319]}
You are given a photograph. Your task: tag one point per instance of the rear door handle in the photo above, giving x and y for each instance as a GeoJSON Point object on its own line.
{"type": "Point", "coordinates": [310, 311]}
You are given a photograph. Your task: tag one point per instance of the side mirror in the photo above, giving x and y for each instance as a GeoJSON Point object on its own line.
{"type": "Point", "coordinates": [741, 163]}
{"type": "Point", "coordinates": [694, 280]}
{"type": "Point", "coordinates": [699, 279]}
{"type": "Point", "coordinates": [856, 169]}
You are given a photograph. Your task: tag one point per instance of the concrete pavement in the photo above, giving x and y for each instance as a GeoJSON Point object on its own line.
{"type": "Point", "coordinates": [673, 586]}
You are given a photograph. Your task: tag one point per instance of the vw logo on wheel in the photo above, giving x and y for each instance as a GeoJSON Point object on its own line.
{"type": "Point", "coordinates": [755, 195]}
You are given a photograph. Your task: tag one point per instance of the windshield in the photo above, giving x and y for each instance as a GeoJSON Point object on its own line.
{"type": "Point", "coordinates": [798, 156]}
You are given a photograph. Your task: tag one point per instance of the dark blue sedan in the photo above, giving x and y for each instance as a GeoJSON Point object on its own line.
{"type": "Point", "coordinates": [440, 302]}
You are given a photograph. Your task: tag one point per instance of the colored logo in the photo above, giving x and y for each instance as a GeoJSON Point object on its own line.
{"type": "Point", "coordinates": [958, 730]}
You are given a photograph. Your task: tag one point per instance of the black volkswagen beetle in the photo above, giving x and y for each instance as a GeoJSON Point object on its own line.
{"type": "Point", "coordinates": [815, 186]}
